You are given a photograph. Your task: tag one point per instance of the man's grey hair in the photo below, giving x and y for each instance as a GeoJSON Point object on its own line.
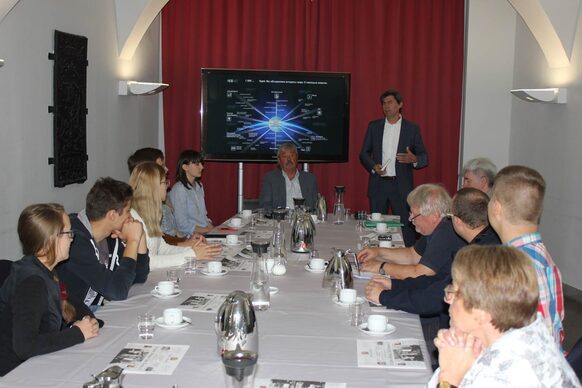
{"type": "Point", "coordinates": [482, 167]}
{"type": "Point", "coordinates": [430, 198]}
{"type": "Point", "coordinates": [287, 147]}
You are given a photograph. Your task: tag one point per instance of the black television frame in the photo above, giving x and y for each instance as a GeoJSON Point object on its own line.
{"type": "Point", "coordinates": [343, 148]}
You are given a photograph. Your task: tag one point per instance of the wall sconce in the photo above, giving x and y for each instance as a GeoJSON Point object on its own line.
{"type": "Point", "coordinates": [140, 88]}
{"type": "Point", "coordinates": [549, 95]}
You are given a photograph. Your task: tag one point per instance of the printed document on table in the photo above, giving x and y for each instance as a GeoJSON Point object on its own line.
{"type": "Point", "coordinates": [288, 383]}
{"type": "Point", "coordinates": [206, 302]}
{"type": "Point", "coordinates": [400, 353]}
{"type": "Point", "coordinates": [149, 358]}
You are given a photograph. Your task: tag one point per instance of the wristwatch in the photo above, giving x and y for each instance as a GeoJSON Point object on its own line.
{"type": "Point", "coordinates": [446, 384]}
{"type": "Point", "coordinates": [381, 270]}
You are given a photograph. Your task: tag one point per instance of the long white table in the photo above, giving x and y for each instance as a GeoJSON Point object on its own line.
{"type": "Point", "coordinates": [302, 336]}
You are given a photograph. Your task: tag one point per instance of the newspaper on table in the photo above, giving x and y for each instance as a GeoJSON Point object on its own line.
{"type": "Point", "coordinates": [152, 359]}
{"type": "Point", "coordinates": [237, 265]}
{"type": "Point", "coordinates": [207, 302]}
{"type": "Point", "coordinates": [403, 353]}
{"type": "Point", "coordinates": [286, 383]}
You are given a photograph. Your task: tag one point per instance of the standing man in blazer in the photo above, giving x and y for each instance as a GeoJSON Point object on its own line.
{"type": "Point", "coordinates": [392, 148]}
{"type": "Point", "coordinates": [280, 186]}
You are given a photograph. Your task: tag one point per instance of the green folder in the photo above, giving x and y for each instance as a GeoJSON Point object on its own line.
{"type": "Point", "coordinates": [389, 223]}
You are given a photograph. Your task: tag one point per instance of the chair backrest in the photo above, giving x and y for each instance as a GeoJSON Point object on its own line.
{"type": "Point", "coordinates": [575, 358]}
{"type": "Point", "coordinates": [5, 266]}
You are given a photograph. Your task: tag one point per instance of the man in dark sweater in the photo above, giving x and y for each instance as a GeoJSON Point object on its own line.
{"type": "Point", "coordinates": [424, 295]}
{"type": "Point", "coordinates": [109, 252]}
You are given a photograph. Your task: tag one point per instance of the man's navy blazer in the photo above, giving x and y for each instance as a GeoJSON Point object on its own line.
{"type": "Point", "coordinates": [371, 154]}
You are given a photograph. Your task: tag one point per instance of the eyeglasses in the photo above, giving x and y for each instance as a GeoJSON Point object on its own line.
{"type": "Point", "coordinates": [412, 218]}
{"type": "Point", "coordinates": [450, 293]}
{"type": "Point", "coordinates": [70, 233]}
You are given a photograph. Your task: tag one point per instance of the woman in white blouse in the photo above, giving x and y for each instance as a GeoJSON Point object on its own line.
{"type": "Point", "coordinates": [149, 184]}
{"type": "Point", "coordinates": [496, 338]}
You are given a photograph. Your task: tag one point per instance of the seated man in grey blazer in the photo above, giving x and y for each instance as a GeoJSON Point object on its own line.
{"type": "Point", "coordinates": [280, 186]}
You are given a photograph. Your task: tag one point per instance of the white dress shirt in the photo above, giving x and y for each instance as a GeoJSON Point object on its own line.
{"type": "Point", "coordinates": [390, 140]}
{"type": "Point", "coordinates": [292, 188]}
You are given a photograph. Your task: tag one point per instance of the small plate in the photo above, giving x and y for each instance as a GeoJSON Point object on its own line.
{"type": "Point", "coordinates": [230, 225]}
{"type": "Point", "coordinates": [273, 290]}
{"type": "Point", "coordinates": [185, 322]}
{"type": "Point", "coordinates": [238, 244]}
{"type": "Point", "coordinates": [308, 268]}
{"type": "Point", "coordinates": [212, 274]}
{"type": "Point", "coordinates": [336, 300]}
{"type": "Point", "coordinates": [158, 295]}
{"type": "Point", "coordinates": [389, 330]}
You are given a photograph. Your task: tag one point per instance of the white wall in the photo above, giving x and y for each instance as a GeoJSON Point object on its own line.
{"type": "Point", "coordinates": [502, 54]}
{"type": "Point", "coordinates": [116, 125]}
{"type": "Point", "coordinates": [548, 137]}
{"type": "Point", "coordinates": [488, 77]}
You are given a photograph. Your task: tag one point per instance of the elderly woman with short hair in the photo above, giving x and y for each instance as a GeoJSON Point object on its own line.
{"type": "Point", "coordinates": [496, 339]}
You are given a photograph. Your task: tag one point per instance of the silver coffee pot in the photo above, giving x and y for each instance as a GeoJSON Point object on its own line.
{"type": "Point", "coordinates": [302, 231]}
{"type": "Point", "coordinates": [108, 378]}
{"type": "Point", "coordinates": [339, 267]}
{"type": "Point", "coordinates": [236, 324]}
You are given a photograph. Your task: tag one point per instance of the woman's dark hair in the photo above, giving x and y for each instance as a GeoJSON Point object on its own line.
{"type": "Point", "coordinates": [187, 157]}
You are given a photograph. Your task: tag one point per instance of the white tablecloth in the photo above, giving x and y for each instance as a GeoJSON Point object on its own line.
{"type": "Point", "coordinates": [302, 336]}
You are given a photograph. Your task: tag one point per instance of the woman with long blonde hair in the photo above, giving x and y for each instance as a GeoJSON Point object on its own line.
{"type": "Point", "coordinates": [33, 318]}
{"type": "Point", "coordinates": [149, 184]}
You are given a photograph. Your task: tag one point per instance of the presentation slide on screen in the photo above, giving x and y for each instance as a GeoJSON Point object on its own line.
{"type": "Point", "coordinates": [253, 115]}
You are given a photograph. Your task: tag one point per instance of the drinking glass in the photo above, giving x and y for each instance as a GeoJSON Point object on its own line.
{"type": "Point", "coordinates": [356, 313]}
{"type": "Point", "coordinates": [145, 325]}
{"type": "Point", "coordinates": [173, 275]}
{"type": "Point", "coordinates": [189, 265]}
{"type": "Point", "coordinates": [364, 243]}
{"type": "Point", "coordinates": [335, 286]}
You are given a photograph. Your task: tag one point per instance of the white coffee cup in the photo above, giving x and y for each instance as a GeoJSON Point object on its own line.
{"type": "Point", "coordinates": [214, 266]}
{"type": "Point", "coordinates": [385, 244]}
{"type": "Point", "coordinates": [381, 227]}
{"type": "Point", "coordinates": [348, 295]}
{"type": "Point", "coordinates": [247, 213]}
{"type": "Point", "coordinates": [376, 216]}
{"type": "Point", "coordinates": [236, 222]}
{"type": "Point", "coordinates": [173, 316]}
{"type": "Point", "coordinates": [165, 287]}
{"type": "Point", "coordinates": [317, 264]}
{"type": "Point", "coordinates": [377, 322]}
{"type": "Point", "coordinates": [232, 239]}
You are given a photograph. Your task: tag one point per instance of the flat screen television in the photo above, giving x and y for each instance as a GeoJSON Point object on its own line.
{"type": "Point", "coordinates": [247, 114]}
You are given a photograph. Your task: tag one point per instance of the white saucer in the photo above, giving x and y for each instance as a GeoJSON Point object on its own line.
{"type": "Point", "coordinates": [238, 244]}
{"type": "Point", "coordinates": [158, 295]}
{"type": "Point", "coordinates": [273, 290]}
{"type": "Point", "coordinates": [185, 322]}
{"type": "Point", "coordinates": [223, 272]}
{"type": "Point", "coordinates": [389, 330]}
{"type": "Point", "coordinates": [230, 225]}
{"type": "Point", "coordinates": [336, 300]}
{"type": "Point", "coordinates": [308, 268]}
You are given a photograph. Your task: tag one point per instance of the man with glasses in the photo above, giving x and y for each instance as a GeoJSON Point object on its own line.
{"type": "Point", "coordinates": [433, 253]}
{"type": "Point", "coordinates": [423, 295]}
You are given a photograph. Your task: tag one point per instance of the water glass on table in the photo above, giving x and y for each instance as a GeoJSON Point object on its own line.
{"type": "Point", "coordinates": [173, 275]}
{"type": "Point", "coordinates": [356, 313]}
{"type": "Point", "coordinates": [189, 265]}
{"type": "Point", "coordinates": [145, 325]}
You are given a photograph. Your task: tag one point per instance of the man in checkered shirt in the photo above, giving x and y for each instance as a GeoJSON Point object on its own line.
{"type": "Point", "coordinates": [514, 212]}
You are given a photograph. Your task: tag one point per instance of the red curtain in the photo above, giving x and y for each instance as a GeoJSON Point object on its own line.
{"type": "Point", "coordinates": [415, 46]}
